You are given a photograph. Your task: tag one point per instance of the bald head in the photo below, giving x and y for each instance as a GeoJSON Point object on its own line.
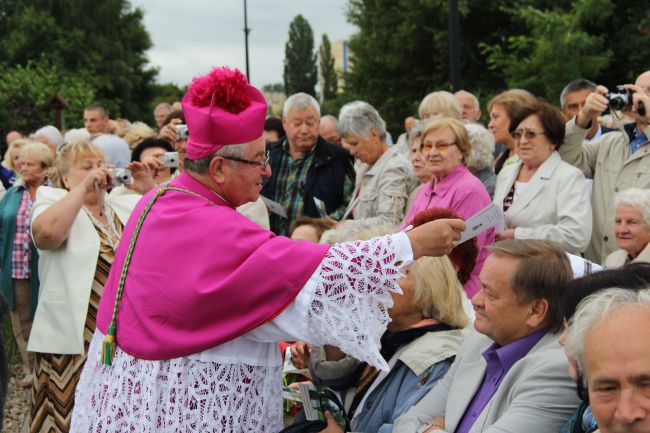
{"type": "Point", "coordinates": [13, 135]}
{"type": "Point", "coordinates": [643, 81]}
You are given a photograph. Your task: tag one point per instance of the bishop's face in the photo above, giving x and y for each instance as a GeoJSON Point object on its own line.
{"type": "Point", "coordinates": [244, 181]}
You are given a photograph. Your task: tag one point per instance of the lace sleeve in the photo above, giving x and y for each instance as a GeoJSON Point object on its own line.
{"type": "Point", "coordinates": [350, 300]}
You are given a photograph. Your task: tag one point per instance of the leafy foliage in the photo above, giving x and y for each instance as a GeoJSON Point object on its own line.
{"type": "Point", "coordinates": [300, 71]}
{"type": "Point", "coordinates": [103, 44]}
{"type": "Point", "coordinates": [329, 81]}
{"type": "Point", "coordinates": [401, 49]}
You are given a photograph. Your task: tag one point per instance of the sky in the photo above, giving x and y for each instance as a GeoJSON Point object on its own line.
{"type": "Point", "coordinates": [192, 36]}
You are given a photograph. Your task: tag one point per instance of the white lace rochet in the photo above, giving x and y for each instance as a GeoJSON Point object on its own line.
{"type": "Point", "coordinates": [349, 298]}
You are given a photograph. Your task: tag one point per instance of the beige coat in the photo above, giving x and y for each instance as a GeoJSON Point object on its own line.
{"type": "Point", "coordinates": [554, 206]}
{"type": "Point", "coordinates": [382, 190]}
{"type": "Point", "coordinates": [609, 162]}
{"type": "Point", "coordinates": [618, 258]}
{"type": "Point", "coordinates": [535, 396]}
{"type": "Point", "coordinates": [66, 275]}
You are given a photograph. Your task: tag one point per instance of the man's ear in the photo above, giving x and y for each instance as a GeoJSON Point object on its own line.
{"type": "Point", "coordinates": [216, 169]}
{"type": "Point", "coordinates": [538, 313]}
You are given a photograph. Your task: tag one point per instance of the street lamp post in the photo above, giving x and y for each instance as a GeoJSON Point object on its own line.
{"type": "Point", "coordinates": [454, 45]}
{"type": "Point", "coordinates": [246, 31]}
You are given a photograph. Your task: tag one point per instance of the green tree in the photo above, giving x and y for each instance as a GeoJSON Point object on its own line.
{"type": "Point", "coordinates": [300, 71]}
{"type": "Point", "coordinates": [329, 81]}
{"type": "Point", "coordinates": [102, 42]}
{"type": "Point", "coordinates": [555, 46]}
{"type": "Point", "coordinates": [25, 92]}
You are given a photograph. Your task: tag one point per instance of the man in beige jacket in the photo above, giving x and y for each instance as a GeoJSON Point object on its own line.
{"type": "Point", "coordinates": [616, 161]}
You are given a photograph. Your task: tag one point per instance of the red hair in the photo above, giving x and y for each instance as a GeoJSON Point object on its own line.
{"type": "Point", "coordinates": [463, 257]}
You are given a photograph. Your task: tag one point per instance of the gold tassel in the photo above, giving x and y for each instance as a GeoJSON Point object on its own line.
{"type": "Point", "coordinates": [108, 349]}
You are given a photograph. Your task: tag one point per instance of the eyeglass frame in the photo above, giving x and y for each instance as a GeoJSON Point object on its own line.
{"type": "Point", "coordinates": [261, 164]}
{"type": "Point", "coordinates": [445, 146]}
{"type": "Point", "coordinates": [530, 134]}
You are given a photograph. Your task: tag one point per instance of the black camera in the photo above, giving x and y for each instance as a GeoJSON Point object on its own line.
{"type": "Point", "coordinates": [619, 100]}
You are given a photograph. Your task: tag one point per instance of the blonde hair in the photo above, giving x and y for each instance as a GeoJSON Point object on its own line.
{"type": "Point", "coordinates": [69, 155]}
{"type": "Point", "coordinates": [438, 291]}
{"type": "Point", "coordinates": [41, 152]}
{"type": "Point", "coordinates": [512, 101]}
{"type": "Point", "coordinates": [458, 129]}
{"type": "Point", "coordinates": [137, 132]}
{"type": "Point", "coordinates": [13, 147]}
{"type": "Point", "coordinates": [442, 101]}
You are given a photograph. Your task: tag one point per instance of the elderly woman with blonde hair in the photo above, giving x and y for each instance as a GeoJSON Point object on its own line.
{"type": "Point", "coordinates": [446, 148]}
{"type": "Point", "coordinates": [440, 103]}
{"type": "Point", "coordinates": [424, 335]}
{"type": "Point", "coordinates": [76, 229]}
{"type": "Point", "coordinates": [631, 227]}
{"type": "Point", "coordinates": [19, 279]}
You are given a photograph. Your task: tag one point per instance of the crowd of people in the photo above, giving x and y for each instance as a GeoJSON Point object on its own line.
{"type": "Point", "coordinates": [150, 272]}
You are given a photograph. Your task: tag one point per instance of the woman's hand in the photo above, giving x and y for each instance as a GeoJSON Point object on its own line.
{"type": "Point", "coordinates": [142, 177]}
{"type": "Point", "coordinates": [506, 234]}
{"type": "Point", "coordinates": [300, 354]}
{"type": "Point", "coordinates": [168, 132]}
{"type": "Point", "coordinates": [99, 176]}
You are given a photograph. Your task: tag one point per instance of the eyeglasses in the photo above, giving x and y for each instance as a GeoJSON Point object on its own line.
{"type": "Point", "coordinates": [261, 164]}
{"type": "Point", "coordinates": [528, 133]}
{"type": "Point", "coordinates": [440, 147]}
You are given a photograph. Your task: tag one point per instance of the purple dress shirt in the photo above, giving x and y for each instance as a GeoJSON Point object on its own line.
{"type": "Point", "coordinates": [499, 361]}
{"type": "Point", "coordinates": [465, 194]}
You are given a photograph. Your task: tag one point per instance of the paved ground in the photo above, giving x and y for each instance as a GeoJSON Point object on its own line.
{"type": "Point", "coordinates": [16, 405]}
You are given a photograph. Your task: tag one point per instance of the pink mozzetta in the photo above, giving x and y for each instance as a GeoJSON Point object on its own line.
{"type": "Point", "coordinates": [221, 108]}
{"type": "Point", "coordinates": [201, 274]}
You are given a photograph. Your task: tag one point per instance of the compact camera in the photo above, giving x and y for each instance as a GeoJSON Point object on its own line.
{"type": "Point", "coordinates": [619, 100]}
{"type": "Point", "coordinates": [120, 176]}
{"type": "Point", "coordinates": [169, 159]}
{"type": "Point", "coordinates": [181, 132]}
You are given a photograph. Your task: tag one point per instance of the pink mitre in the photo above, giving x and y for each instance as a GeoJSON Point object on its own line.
{"type": "Point", "coordinates": [221, 108]}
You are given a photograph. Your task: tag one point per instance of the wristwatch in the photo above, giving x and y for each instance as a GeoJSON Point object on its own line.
{"type": "Point", "coordinates": [430, 424]}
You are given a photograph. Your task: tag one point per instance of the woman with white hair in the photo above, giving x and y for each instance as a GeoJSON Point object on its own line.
{"type": "Point", "coordinates": [18, 256]}
{"type": "Point", "coordinates": [384, 178]}
{"type": "Point", "coordinates": [480, 157]}
{"type": "Point", "coordinates": [631, 227]}
{"type": "Point", "coordinates": [51, 136]}
{"type": "Point", "coordinates": [440, 103]}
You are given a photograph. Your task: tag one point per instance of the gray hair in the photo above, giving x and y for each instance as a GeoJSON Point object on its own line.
{"type": "Point", "coordinates": [300, 101]}
{"type": "Point", "coordinates": [359, 118]}
{"type": "Point", "coordinates": [575, 86]}
{"type": "Point", "coordinates": [477, 106]}
{"type": "Point", "coordinates": [201, 166]}
{"type": "Point", "coordinates": [482, 141]}
{"type": "Point", "coordinates": [594, 308]}
{"type": "Point", "coordinates": [329, 118]}
{"type": "Point", "coordinates": [638, 198]}
{"type": "Point", "coordinates": [417, 129]}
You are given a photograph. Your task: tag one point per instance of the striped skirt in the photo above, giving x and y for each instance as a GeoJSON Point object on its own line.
{"type": "Point", "coordinates": [56, 376]}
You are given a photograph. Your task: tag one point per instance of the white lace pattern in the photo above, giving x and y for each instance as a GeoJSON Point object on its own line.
{"type": "Point", "coordinates": [348, 308]}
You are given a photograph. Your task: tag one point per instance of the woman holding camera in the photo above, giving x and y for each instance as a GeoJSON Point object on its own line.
{"type": "Point", "coordinates": [76, 229]}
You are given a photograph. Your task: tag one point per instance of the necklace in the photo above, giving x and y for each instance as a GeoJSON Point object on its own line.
{"type": "Point", "coordinates": [110, 231]}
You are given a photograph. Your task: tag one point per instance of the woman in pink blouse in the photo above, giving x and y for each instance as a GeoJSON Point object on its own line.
{"type": "Point", "coordinates": [445, 146]}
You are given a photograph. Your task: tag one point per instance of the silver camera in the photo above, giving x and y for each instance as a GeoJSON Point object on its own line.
{"type": "Point", "coordinates": [120, 176]}
{"type": "Point", "coordinates": [182, 132]}
{"type": "Point", "coordinates": [169, 159]}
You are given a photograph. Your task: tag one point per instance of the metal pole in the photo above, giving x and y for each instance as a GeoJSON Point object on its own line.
{"type": "Point", "coordinates": [454, 45]}
{"type": "Point", "coordinates": [246, 31]}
